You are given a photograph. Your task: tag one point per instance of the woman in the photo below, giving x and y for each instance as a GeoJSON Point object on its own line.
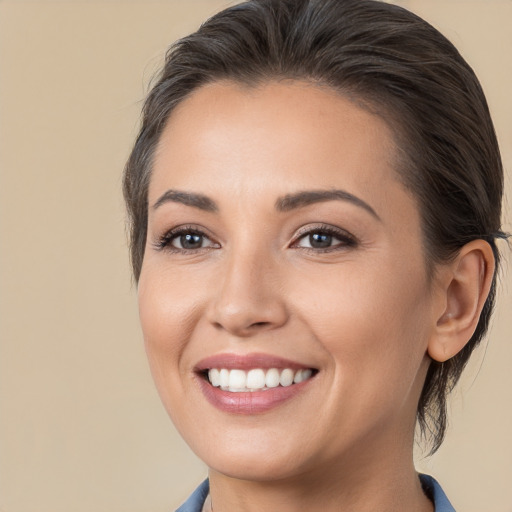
{"type": "Point", "coordinates": [314, 196]}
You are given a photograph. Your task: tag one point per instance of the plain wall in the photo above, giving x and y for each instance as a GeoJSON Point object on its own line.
{"type": "Point", "coordinates": [81, 426]}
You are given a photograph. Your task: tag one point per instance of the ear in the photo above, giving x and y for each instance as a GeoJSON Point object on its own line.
{"type": "Point", "coordinates": [466, 282]}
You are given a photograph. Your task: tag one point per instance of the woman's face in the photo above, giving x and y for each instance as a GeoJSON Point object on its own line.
{"type": "Point", "coordinates": [282, 246]}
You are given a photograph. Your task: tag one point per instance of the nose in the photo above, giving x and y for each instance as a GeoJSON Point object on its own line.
{"type": "Point", "coordinates": [250, 296]}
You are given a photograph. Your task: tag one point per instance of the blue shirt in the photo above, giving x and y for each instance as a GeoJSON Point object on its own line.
{"type": "Point", "coordinates": [432, 488]}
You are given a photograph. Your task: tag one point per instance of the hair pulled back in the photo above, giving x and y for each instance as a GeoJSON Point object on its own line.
{"type": "Point", "coordinates": [389, 61]}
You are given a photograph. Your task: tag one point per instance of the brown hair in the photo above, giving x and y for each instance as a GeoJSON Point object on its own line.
{"type": "Point", "coordinates": [395, 64]}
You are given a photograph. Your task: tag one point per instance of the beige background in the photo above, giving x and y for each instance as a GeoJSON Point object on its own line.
{"type": "Point", "coordinates": [81, 426]}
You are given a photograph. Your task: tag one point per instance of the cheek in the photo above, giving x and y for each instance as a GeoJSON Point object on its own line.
{"type": "Point", "coordinates": [168, 305]}
{"type": "Point", "coordinates": [168, 312]}
{"type": "Point", "coordinates": [373, 322]}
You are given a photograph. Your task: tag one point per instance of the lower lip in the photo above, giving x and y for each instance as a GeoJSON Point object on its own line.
{"type": "Point", "coordinates": [252, 402]}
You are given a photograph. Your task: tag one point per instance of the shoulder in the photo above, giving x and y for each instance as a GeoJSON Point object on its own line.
{"type": "Point", "coordinates": [436, 494]}
{"type": "Point", "coordinates": [196, 500]}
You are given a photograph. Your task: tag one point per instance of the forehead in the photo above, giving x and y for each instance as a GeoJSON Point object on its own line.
{"type": "Point", "coordinates": [252, 145]}
{"type": "Point", "coordinates": [283, 102]}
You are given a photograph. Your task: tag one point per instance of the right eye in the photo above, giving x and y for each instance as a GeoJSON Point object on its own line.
{"type": "Point", "coordinates": [185, 240]}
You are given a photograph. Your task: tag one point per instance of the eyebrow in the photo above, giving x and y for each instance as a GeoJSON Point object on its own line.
{"type": "Point", "coordinates": [282, 204]}
{"type": "Point", "coordinates": [307, 197]}
{"type": "Point", "coordinates": [187, 198]}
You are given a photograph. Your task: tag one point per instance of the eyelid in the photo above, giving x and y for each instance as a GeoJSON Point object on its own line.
{"type": "Point", "coordinates": [347, 239]}
{"type": "Point", "coordinates": [164, 242]}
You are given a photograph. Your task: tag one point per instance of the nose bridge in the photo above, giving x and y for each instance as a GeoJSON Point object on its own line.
{"type": "Point", "coordinates": [249, 296]}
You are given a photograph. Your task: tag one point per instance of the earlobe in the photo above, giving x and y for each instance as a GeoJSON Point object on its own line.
{"type": "Point", "coordinates": [466, 286]}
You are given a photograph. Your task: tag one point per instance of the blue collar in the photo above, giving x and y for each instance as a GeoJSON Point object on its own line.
{"type": "Point", "coordinates": [432, 488]}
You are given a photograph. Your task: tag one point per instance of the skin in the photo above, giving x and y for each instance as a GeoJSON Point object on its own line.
{"type": "Point", "coordinates": [363, 313]}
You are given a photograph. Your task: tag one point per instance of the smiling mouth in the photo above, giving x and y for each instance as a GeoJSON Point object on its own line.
{"type": "Point", "coordinates": [256, 379]}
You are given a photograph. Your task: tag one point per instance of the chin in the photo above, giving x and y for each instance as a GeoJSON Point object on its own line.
{"type": "Point", "coordinates": [256, 459]}
{"type": "Point", "coordinates": [262, 467]}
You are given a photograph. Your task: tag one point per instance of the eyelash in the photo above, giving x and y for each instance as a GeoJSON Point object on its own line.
{"type": "Point", "coordinates": [346, 240]}
{"type": "Point", "coordinates": [165, 241]}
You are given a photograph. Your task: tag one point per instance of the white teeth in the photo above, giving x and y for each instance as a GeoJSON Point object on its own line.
{"type": "Point", "coordinates": [306, 374]}
{"type": "Point", "coordinates": [214, 376]}
{"type": "Point", "coordinates": [237, 380]}
{"type": "Point", "coordinates": [302, 375]}
{"type": "Point", "coordinates": [286, 377]}
{"type": "Point", "coordinates": [256, 379]}
{"type": "Point", "coordinates": [224, 378]}
{"type": "Point", "coordinates": [272, 378]}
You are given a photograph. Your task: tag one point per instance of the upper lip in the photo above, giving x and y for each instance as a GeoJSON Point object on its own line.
{"type": "Point", "coordinates": [247, 362]}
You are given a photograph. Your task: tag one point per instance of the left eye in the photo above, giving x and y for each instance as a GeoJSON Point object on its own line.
{"type": "Point", "coordinates": [324, 239]}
